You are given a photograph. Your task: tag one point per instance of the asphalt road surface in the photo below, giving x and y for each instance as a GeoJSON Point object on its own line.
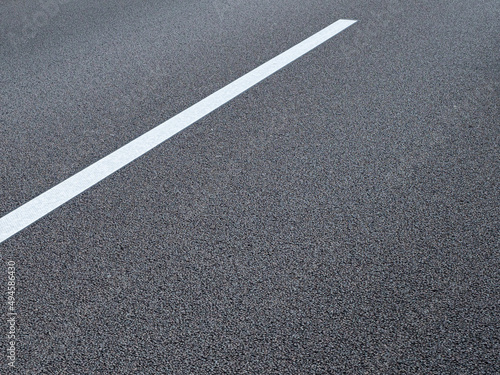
{"type": "Point", "coordinates": [339, 217]}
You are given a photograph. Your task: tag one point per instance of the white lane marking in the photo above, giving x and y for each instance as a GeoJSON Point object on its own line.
{"type": "Point", "coordinates": [40, 206]}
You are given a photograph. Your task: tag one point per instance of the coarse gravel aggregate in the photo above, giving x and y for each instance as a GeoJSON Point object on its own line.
{"type": "Point", "coordinates": [340, 217]}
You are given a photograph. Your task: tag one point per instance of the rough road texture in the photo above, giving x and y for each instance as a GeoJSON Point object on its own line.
{"type": "Point", "coordinates": [341, 217]}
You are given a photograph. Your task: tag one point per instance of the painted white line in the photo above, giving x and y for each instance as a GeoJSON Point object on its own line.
{"type": "Point", "coordinates": [40, 206]}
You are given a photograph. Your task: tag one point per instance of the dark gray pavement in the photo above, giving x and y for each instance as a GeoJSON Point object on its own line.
{"type": "Point", "coordinates": [341, 217]}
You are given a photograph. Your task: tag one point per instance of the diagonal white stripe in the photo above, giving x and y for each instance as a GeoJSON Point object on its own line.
{"type": "Point", "coordinates": [40, 206]}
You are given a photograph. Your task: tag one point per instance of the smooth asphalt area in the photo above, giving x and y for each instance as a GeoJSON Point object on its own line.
{"type": "Point", "coordinates": [339, 217]}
